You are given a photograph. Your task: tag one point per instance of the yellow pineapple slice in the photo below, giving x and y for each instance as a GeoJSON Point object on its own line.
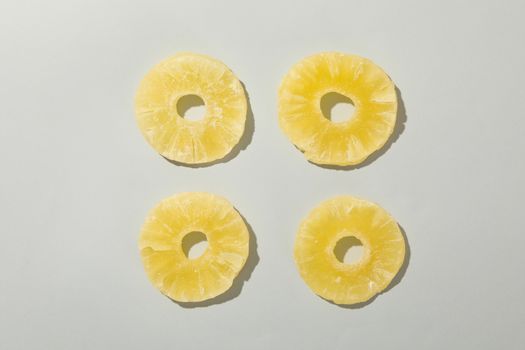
{"type": "Point", "coordinates": [183, 140]}
{"type": "Point", "coordinates": [337, 143]}
{"type": "Point", "coordinates": [166, 264]}
{"type": "Point", "coordinates": [334, 220]}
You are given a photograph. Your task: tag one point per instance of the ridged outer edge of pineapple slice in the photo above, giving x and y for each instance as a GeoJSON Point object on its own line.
{"type": "Point", "coordinates": [180, 139]}
{"type": "Point", "coordinates": [211, 274]}
{"type": "Point", "coordinates": [325, 225]}
{"type": "Point", "coordinates": [323, 141]}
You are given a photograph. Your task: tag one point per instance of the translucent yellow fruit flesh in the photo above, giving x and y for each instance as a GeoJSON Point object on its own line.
{"type": "Point", "coordinates": [327, 142]}
{"type": "Point", "coordinates": [183, 140]}
{"type": "Point", "coordinates": [345, 216]}
{"type": "Point", "coordinates": [170, 270]}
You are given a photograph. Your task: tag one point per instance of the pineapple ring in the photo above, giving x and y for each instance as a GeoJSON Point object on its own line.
{"type": "Point", "coordinates": [167, 266]}
{"type": "Point", "coordinates": [187, 141]}
{"type": "Point", "coordinates": [325, 226]}
{"type": "Point", "coordinates": [344, 143]}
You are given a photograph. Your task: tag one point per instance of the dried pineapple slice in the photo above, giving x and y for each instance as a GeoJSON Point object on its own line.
{"type": "Point", "coordinates": [325, 226]}
{"type": "Point", "coordinates": [170, 270]}
{"type": "Point", "coordinates": [327, 142]}
{"type": "Point", "coordinates": [187, 141]}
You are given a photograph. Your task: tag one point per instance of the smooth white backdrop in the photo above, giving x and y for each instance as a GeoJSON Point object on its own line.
{"type": "Point", "coordinates": [77, 178]}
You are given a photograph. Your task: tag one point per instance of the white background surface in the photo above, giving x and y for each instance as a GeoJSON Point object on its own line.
{"type": "Point", "coordinates": [77, 178]}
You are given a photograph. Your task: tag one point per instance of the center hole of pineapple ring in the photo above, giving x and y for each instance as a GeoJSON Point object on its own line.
{"type": "Point", "coordinates": [336, 107]}
{"type": "Point", "coordinates": [194, 244]}
{"type": "Point", "coordinates": [349, 250]}
{"type": "Point", "coordinates": [191, 107]}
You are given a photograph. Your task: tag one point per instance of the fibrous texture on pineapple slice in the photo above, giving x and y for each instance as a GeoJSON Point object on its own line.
{"type": "Point", "coordinates": [323, 141]}
{"type": "Point", "coordinates": [325, 226]}
{"type": "Point", "coordinates": [180, 139]}
{"type": "Point", "coordinates": [166, 264]}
